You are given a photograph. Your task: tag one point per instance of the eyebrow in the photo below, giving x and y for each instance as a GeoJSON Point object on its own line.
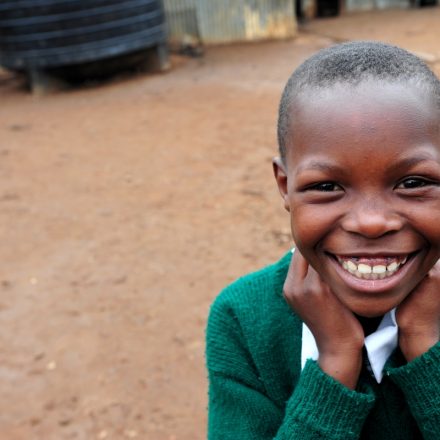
{"type": "Point", "coordinates": [329, 167]}
{"type": "Point", "coordinates": [319, 166]}
{"type": "Point", "coordinates": [413, 161]}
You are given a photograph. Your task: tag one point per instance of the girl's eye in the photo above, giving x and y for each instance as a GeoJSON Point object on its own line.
{"type": "Point", "coordinates": [325, 187]}
{"type": "Point", "coordinates": [413, 182]}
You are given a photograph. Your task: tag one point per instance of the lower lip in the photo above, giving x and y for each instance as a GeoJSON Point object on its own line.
{"type": "Point", "coordinates": [374, 286]}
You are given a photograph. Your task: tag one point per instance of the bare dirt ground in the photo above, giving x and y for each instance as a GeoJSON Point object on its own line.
{"type": "Point", "coordinates": [124, 209]}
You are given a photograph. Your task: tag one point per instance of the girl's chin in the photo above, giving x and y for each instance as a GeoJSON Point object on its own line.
{"type": "Point", "coordinates": [371, 308]}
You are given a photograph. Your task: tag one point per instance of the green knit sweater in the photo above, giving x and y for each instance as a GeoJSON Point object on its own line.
{"type": "Point", "coordinates": [257, 389]}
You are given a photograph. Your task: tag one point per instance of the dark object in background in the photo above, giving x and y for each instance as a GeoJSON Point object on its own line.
{"type": "Point", "coordinates": [40, 37]}
{"type": "Point", "coordinates": [422, 3]}
{"type": "Point", "coordinates": [427, 2]}
{"type": "Point", "coordinates": [327, 8]}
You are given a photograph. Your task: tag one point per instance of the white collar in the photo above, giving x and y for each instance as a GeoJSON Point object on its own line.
{"type": "Point", "coordinates": [379, 344]}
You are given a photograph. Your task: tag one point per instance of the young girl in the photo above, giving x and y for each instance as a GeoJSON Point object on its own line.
{"type": "Point", "coordinates": [339, 339]}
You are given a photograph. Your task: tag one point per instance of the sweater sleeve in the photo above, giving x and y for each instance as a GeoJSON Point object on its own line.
{"type": "Point", "coordinates": [420, 382]}
{"type": "Point", "coordinates": [239, 406]}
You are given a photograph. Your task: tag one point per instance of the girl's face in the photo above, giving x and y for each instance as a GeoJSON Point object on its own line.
{"type": "Point", "coordinates": [362, 184]}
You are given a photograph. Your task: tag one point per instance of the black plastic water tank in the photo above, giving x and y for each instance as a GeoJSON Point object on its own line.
{"type": "Point", "coordinates": [42, 34]}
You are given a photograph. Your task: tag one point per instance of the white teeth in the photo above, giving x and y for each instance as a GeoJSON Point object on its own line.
{"type": "Point", "coordinates": [351, 266]}
{"type": "Point", "coordinates": [392, 267]}
{"type": "Point", "coordinates": [379, 269]}
{"type": "Point", "coordinates": [365, 271]}
{"type": "Point", "coordinates": [364, 268]}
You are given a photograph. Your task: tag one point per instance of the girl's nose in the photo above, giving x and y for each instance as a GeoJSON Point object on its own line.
{"type": "Point", "coordinates": [372, 220]}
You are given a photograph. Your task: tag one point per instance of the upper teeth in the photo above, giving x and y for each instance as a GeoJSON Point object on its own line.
{"type": "Point", "coordinates": [368, 272]}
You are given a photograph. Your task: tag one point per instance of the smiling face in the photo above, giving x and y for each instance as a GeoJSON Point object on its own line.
{"type": "Point", "coordinates": [361, 181]}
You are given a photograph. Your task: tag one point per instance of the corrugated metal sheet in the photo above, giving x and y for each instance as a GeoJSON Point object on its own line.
{"type": "Point", "coordinates": [181, 19]}
{"type": "Point", "coordinates": [384, 4]}
{"type": "Point", "coordinates": [222, 21]}
{"type": "Point", "coordinates": [367, 5]}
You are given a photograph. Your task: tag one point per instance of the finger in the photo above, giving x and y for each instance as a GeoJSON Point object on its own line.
{"type": "Point", "coordinates": [299, 266]}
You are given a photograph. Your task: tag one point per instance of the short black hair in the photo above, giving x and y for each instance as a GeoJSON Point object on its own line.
{"type": "Point", "coordinates": [353, 63]}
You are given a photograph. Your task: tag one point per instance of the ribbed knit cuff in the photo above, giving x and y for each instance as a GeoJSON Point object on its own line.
{"type": "Point", "coordinates": [328, 407]}
{"type": "Point", "coordinates": [419, 380]}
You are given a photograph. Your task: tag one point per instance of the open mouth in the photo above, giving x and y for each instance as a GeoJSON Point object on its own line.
{"type": "Point", "coordinates": [372, 268]}
{"type": "Point", "coordinates": [381, 270]}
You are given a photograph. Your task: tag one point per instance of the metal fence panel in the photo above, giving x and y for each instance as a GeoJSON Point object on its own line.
{"type": "Point", "coordinates": [181, 19]}
{"type": "Point", "coordinates": [234, 20]}
{"type": "Point", "coordinates": [222, 21]}
{"type": "Point", "coordinates": [367, 5]}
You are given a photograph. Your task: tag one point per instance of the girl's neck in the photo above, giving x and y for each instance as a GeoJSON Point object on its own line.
{"type": "Point", "coordinates": [369, 324]}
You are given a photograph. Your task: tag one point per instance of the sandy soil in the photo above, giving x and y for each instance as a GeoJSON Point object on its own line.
{"type": "Point", "coordinates": [124, 209]}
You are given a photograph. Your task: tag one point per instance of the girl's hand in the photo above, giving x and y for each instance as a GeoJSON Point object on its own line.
{"type": "Point", "coordinates": [418, 316]}
{"type": "Point", "coordinates": [338, 334]}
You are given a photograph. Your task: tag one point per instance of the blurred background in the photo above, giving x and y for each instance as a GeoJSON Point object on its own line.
{"type": "Point", "coordinates": [136, 140]}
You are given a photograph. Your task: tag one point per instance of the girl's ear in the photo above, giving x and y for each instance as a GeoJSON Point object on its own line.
{"type": "Point", "coordinates": [279, 171]}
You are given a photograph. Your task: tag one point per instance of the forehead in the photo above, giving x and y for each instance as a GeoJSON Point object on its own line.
{"type": "Point", "coordinates": [371, 117]}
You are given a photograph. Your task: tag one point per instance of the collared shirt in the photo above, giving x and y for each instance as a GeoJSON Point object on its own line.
{"type": "Point", "coordinates": [379, 345]}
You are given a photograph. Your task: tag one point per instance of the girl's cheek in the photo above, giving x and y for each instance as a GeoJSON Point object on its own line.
{"type": "Point", "coordinates": [303, 236]}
